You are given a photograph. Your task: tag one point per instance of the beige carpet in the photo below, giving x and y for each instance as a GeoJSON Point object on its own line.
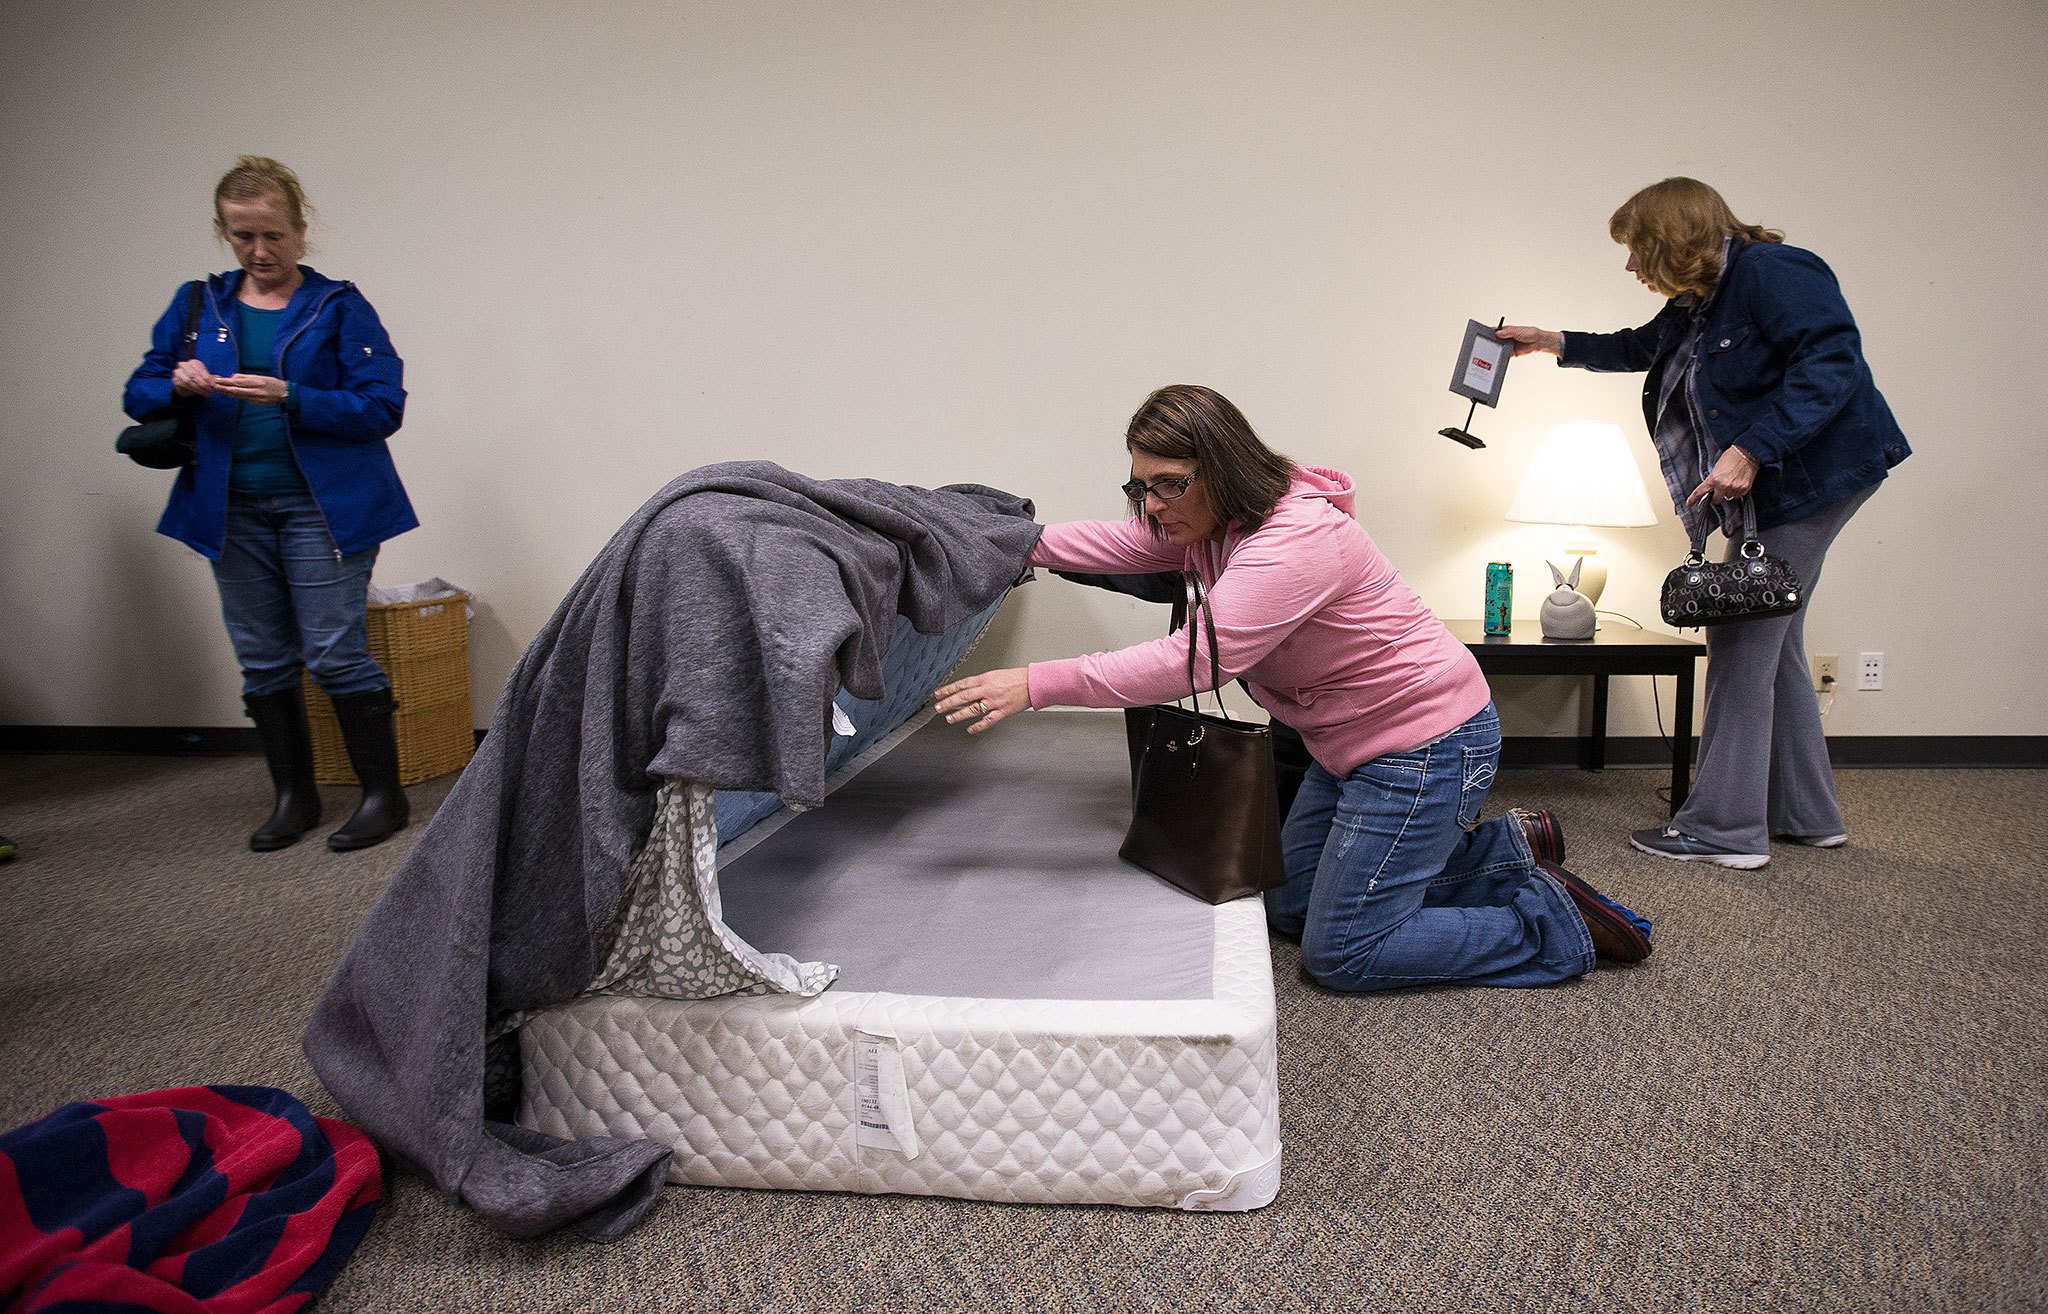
{"type": "Point", "coordinates": [1826, 1091]}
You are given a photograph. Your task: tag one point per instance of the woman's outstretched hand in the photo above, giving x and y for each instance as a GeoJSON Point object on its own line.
{"type": "Point", "coordinates": [986, 698]}
{"type": "Point", "coordinates": [1529, 340]}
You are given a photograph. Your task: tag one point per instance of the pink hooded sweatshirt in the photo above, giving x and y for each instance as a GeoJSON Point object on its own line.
{"type": "Point", "coordinates": [1330, 639]}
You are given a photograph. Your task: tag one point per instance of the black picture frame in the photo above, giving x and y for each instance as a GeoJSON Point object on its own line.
{"type": "Point", "coordinates": [1482, 364]}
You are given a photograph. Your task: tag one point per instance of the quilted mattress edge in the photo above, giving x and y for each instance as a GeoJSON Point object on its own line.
{"type": "Point", "coordinates": [1168, 1103]}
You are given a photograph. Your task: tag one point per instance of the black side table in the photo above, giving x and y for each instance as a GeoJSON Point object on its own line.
{"type": "Point", "coordinates": [1613, 650]}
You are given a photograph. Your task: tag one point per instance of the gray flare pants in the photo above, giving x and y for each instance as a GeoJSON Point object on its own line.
{"type": "Point", "coordinates": [1763, 766]}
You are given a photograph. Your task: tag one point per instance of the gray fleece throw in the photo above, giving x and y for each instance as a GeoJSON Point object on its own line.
{"type": "Point", "coordinates": [706, 643]}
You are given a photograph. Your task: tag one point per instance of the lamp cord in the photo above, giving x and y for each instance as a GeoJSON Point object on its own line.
{"type": "Point", "coordinates": [1663, 791]}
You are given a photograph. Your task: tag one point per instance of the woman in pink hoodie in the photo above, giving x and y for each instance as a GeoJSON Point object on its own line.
{"type": "Point", "coordinates": [1391, 879]}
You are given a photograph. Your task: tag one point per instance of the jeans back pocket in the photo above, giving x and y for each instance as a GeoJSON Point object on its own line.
{"type": "Point", "coordinates": [1477, 766]}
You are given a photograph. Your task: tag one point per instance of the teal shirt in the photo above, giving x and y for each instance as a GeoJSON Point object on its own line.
{"type": "Point", "coordinates": [263, 461]}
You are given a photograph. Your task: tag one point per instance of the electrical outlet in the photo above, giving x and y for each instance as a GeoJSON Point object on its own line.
{"type": "Point", "coordinates": [1827, 671]}
{"type": "Point", "coordinates": [1870, 670]}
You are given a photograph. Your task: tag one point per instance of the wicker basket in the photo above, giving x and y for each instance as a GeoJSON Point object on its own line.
{"type": "Point", "coordinates": [424, 648]}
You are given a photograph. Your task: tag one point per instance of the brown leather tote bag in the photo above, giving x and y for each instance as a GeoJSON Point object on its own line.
{"type": "Point", "coordinates": [1203, 813]}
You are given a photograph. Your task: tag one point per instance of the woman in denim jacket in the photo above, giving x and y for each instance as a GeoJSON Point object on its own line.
{"type": "Point", "coordinates": [290, 491]}
{"type": "Point", "coordinates": [1757, 388]}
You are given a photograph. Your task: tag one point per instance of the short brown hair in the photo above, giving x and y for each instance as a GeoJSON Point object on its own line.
{"type": "Point", "coordinates": [1244, 478]}
{"type": "Point", "coordinates": [1675, 229]}
{"type": "Point", "coordinates": [256, 176]}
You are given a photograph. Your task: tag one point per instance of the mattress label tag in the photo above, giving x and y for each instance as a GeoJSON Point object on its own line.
{"type": "Point", "coordinates": [882, 1122]}
{"type": "Point", "coordinates": [842, 724]}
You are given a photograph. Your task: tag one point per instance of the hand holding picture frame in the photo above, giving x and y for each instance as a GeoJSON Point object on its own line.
{"type": "Point", "coordinates": [1481, 371]}
{"type": "Point", "coordinates": [1482, 364]}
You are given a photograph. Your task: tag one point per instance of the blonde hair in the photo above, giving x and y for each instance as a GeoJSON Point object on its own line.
{"type": "Point", "coordinates": [258, 176]}
{"type": "Point", "coordinates": [1675, 229]}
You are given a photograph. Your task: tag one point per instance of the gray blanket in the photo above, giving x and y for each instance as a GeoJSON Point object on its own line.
{"type": "Point", "coordinates": [706, 643]}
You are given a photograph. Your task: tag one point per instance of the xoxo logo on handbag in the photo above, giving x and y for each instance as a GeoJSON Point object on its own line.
{"type": "Point", "coordinates": [1752, 586]}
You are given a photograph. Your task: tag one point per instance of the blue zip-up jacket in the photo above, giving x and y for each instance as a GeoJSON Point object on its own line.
{"type": "Point", "coordinates": [1781, 375]}
{"type": "Point", "coordinates": [350, 398]}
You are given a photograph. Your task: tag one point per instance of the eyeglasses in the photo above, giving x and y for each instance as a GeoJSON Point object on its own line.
{"type": "Point", "coordinates": [1166, 490]}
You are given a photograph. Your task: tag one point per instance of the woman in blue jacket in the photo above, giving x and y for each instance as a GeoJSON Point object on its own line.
{"type": "Point", "coordinates": [1757, 388]}
{"type": "Point", "coordinates": [291, 489]}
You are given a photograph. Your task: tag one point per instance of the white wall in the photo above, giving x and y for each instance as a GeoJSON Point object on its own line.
{"type": "Point", "coordinates": [931, 241]}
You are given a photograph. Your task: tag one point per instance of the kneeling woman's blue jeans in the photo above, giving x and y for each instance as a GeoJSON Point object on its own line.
{"type": "Point", "coordinates": [1389, 883]}
{"type": "Point", "coordinates": [291, 600]}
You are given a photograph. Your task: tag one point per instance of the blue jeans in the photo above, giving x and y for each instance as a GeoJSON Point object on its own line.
{"type": "Point", "coordinates": [1390, 883]}
{"type": "Point", "coordinates": [291, 600]}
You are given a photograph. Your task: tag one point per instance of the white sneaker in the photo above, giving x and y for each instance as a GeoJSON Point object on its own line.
{"type": "Point", "coordinates": [1814, 841]}
{"type": "Point", "coordinates": [1667, 842]}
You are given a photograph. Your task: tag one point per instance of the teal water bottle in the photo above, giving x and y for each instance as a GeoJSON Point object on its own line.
{"type": "Point", "coordinates": [1500, 597]}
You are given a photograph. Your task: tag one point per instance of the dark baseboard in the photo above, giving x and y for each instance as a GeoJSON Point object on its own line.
{"type": "Point", "coordinates": [1846, 751]}
{"type": "Point", "coordinates": [144, 739]}
{"type": "Point", "coordinates": [1939, 751]}
{"type": "Point", "coordinates": [147, 740]}
{"type": "Point", "coordinates": [1524, 751]}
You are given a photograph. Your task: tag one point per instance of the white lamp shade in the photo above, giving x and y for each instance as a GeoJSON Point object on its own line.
{"type": "Point", "coordinates": [1583, 475]}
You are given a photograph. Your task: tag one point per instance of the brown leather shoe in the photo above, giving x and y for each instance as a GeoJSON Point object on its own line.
{"type": "Point", "coordinates": [1615, 934]}
{"type": "Point", "coordinates": [1545, 835]}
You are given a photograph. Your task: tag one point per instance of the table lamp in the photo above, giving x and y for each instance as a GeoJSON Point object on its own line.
{"type": "Point", "coordinates": [1583, 476]}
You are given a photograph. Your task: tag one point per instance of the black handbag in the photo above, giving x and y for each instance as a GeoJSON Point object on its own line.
{"type": "Point", "coordinates": [164, 439]}
{"type": "Point", "coordinates": [1203, 813]}
{"type": "Point", "coordinates": [1752, 586]}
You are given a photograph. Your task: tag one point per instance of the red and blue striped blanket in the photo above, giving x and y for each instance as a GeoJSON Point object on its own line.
{"type": "Point", "coordinates": [225, 1199]}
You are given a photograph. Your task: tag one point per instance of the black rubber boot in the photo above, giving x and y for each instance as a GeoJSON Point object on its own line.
{"type": "Point", "coordinates": [288, 750]}
{"type": "Point", "coordinates": [373, 751]}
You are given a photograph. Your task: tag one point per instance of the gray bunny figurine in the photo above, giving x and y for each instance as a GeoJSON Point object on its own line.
{"type": "Point", "coordinates": [1567, 613]}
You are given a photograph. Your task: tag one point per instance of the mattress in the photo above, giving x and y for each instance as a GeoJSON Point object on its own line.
{"type": "Point", "coordinates": [1018, 1015]}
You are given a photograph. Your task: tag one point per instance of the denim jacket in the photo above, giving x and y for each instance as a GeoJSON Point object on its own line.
{"type": "Point", "coordinates": [1781, 375]}
{"type": "Point", "coordinates": [349, 397]}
